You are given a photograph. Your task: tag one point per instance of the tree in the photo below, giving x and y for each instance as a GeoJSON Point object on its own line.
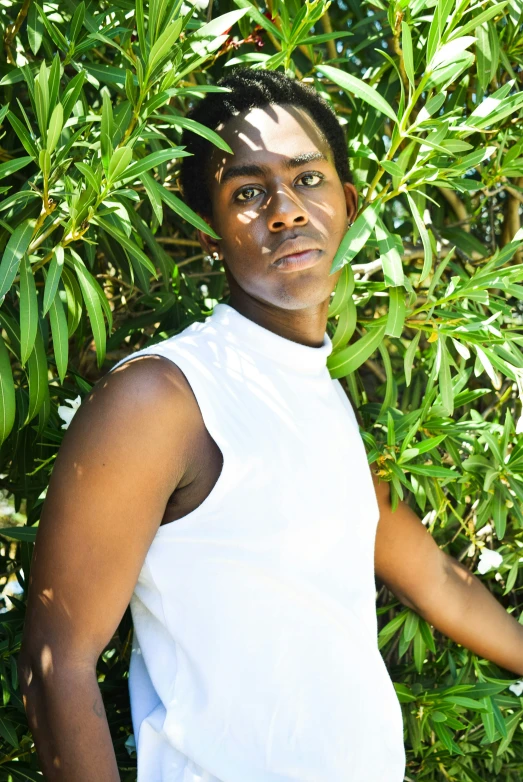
{"type": "Point", "coordinates": [99, 258]}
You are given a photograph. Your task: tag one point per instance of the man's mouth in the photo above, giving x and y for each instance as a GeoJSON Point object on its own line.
{"type": "Point", "coordinates": [297, 253]}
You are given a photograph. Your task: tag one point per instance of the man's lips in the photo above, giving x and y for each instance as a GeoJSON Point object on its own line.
{"type": "Point", "coordinates": [299, 252]}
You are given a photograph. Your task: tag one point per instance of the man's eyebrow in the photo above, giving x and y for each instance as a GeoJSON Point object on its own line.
{"type": "Point", "coordinates": [306, 157]}
{"type": "Point", "coordinates": [254, 170]}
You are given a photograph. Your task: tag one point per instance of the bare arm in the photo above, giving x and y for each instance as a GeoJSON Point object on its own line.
{"type": "Point", "coordinates": [121, 458]}
{"type": "Point", "coordinates": [440, 589]}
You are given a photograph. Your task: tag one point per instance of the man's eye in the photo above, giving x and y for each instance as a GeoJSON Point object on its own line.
{"type": "Point", "coordinates": [248, 193]}
{"type": "Point", "coordinates": [311, 179]}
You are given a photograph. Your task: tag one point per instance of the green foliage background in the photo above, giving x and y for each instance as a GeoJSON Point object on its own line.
{"type": "Point", "coordinates": [99, 258]}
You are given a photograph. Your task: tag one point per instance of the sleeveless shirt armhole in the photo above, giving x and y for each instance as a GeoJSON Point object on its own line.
{"type": "Point", "coordinates": [197, 384]}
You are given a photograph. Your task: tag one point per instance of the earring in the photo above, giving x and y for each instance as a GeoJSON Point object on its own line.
{"type": "Point", "coordinates": [349, 225]}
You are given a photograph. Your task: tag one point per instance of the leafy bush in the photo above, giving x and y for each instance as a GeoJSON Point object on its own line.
{"type": "Point", "coordinates": [99, 258]}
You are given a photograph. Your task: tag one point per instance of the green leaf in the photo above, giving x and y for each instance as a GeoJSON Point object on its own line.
{"type": "Point", "coordinates": [253, 12]}
{"type": "Point", "coordinates": [445, 382]}
{"type": "Point", "coordinates": [44, 161]}
{"type": "Point", "coordinates": [7, 393]}
{"type": "Point", "coordinates": [424, 234]}
{"type": "Point", "coordinates": [22, 772]}
{"type": "Point", "coordinates": [196, 127]}
{"type": "Point", "coordinates": [409, 357]}
{"type": "Point", "coordinates": [27, 142]}
{"type": "Point", "coordinates": [8, 732]}
{"type": "Point", "coordinates": [499, 512]}
{"type": "Point", "coordinates": [37, 372]}
{"type": "Point", "coordinates": [343, 292]}
{"type": "Point", "coordinates": [106, 131]}
{"type": "Point", "coordinates": [432, 470]}
{"type": "Point", "coordinates": [129, 245]}
{"type": "Point", "coordinates": [55, 127]}
{"type": "Point", "coordinates": [484, 16]}
{"type": "Point", "coordinates": [26, 534]}
{"type": "Point", "coordinates": [390, 629]}
{"type": "Point", "coordinates": [42, 100]}
{"type": "Point", "coordinates": [53, 278]}
{"type": "Point", "coordinates": [359, 88]}
{"type": "Point", "coordinates": [185, 212]}
{"type": "Point", "coordinates": [90, 174]}
{"type": "Point", "coordinates": [16, 247]}
{"type": "Point", "coordinates": [72, 93]}
{"type": "Point", "coordinates": [91, 296]}
{"type": "Point", "coordinates": [55, 73]}
{"type": "Point", "coordinates": [396, 316]}
{"type": "Point", "coordinates": [6, 169]}
{"type": "Point", "coordinates": [390, 247]}
{"type": "Point", "coordinates": [408, 57]}
{"type": "Point", "coordinates": [28, 309]}
{"type": "Point", "coordinates": [152, 190]}
{"type": "Point", "coordinates": [426, 632]}
{"type": "Point", "coordinates": [119, 162]}
{"type": "Point", "coordinates": [164, 44]}
{"type": "Point", "coordinates": [54, 33]}
{"type": "Point", "coordinates": [450, 51]}
{"type": "Point", "coordinates": [35, 29]}
{"type": "Point", "coordinates": [420, 650]}
{"type": "Point", "coordinates": [356, 236]}
{"type": "Point", "coordinates": [392, 168]}
{"type": "Point", "coordinates": [411, 626]}
{"type": "Point", "coordinates": [346, 324]}
{"type": "Point", "coordinates": [59, 331]}
{"type": "Point", "coordinates": [154, 159]}
{"type": "Point", "coordinates": [352, 357]}
{"type": "Point", "coordinates": [77, 21]}
{"type": "Point", "coordinates": [445, 736]}
{"type": "Point", "coordinates": [323, 37]}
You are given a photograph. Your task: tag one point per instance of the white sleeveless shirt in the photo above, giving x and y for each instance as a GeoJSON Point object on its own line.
{"type": "Point", "coordinates": [255, 653]}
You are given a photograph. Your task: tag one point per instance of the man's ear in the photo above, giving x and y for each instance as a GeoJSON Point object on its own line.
{"type": "Point", "coordinates": [351, 199]}
{"type": "Point", "coordinates": [208, 244]}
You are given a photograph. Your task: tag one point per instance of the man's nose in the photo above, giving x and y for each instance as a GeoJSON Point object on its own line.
{"type": "Point", "coordinates": [285, 211]}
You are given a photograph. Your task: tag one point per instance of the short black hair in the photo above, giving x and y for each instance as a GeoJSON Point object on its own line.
{"type": "Point", "coordinates": [252, 89]}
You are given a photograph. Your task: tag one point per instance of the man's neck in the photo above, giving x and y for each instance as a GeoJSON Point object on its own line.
{"type": "Point", "coordinates": [306, 326]}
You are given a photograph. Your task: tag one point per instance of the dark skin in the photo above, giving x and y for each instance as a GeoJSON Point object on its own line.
{"type": "Point", "coordinates": [137, 455]}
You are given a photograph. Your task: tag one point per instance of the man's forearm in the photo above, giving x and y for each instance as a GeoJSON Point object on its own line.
{"type": "Point", "coordinates": [464, 610]}
{"type": "Point", "coordinates": [69, 725]}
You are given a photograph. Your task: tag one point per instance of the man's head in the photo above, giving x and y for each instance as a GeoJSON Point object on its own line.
{"type": "Point", "coordinates": [285, 190]}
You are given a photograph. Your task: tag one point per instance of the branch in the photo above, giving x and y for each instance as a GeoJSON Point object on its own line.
{"type": "Point", "coordinates": [458, 207]}
{"type": "Point", "coordinates": [12, 31]}
{"type": "Point", "coordinates": [511, 220]}
{"type": "Point", "coordinates": [327, 26]}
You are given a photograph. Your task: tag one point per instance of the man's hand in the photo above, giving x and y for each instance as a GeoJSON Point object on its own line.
{"type": "Point", "coordinates": [440, 589]}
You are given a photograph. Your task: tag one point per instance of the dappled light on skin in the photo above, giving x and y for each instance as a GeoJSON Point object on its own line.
{"type": "Point", "coordinates": [267, 205]}
{"type": "Point", "coordinates": [47, 596]}
{"type": "Point", "coordinates": [46, 661]}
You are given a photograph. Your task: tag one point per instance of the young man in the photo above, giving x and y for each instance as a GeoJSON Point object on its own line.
{"type": "Point", "coordinates": [219, 481]}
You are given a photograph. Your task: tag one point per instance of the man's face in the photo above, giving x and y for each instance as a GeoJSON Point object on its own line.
{"type": "Point", "coordinates": [279, 207]}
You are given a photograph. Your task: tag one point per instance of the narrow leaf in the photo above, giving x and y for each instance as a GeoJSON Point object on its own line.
{"type": "Point", "coordinates": [427, 247]}
{"type": "Point", "coordinates": [352, 357]}
{"type": "Point", "coordinates": [356, 236]}
{"type": "Point", "coordinates": [17, 245]}
{"type": "Point", "coordinates": [7, 393]}
{"type": "Point", "coordinates": [360, 89]}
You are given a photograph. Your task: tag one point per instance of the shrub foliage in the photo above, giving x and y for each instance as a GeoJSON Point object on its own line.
{"type": "Point", "coordinates": [98, 257]}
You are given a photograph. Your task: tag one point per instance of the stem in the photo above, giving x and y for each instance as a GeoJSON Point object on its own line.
{"type": "Point", "coordinates": [327, 26]}
{"type": "Point", "coordinates": [12, 31]}
{"type": "Point", "coordinates": [37, 242]}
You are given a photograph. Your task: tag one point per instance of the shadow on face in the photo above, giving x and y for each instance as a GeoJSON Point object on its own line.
{"type": "Point", "coordinates": [279, 207]}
